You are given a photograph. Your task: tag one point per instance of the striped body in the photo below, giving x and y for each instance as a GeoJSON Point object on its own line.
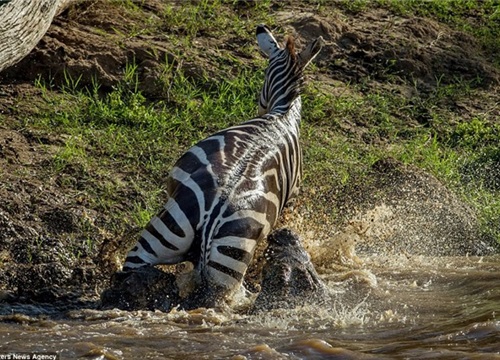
{"type": "Point", "coordinates": [227, 192]}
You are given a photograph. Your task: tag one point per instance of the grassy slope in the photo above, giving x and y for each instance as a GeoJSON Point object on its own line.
{"type": "Point", "coordinates": [122, 141]}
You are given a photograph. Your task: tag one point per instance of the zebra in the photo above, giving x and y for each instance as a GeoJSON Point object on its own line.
{"type": "Point", "coordinates": [226, 193]}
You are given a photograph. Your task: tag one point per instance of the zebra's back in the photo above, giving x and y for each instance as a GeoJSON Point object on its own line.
{"type": "Point", "coordinates": [230, 186]}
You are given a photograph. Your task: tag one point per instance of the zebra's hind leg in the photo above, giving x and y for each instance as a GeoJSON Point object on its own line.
{"type": "Point", "coordinates": [222, 274]}
{"type": "Point", "coordinates": [165, 240]}
{"type": "Point", "coordinates": [223, 262]}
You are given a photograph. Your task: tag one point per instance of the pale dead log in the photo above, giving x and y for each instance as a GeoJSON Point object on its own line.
{"type": "Point", "coordinates": [22, 24]}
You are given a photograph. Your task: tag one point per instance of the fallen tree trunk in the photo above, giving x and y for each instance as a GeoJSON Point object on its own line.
{"type": "Point", "coordinates": [22, 24]}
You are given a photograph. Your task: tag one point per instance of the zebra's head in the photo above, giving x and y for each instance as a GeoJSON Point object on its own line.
{"type": "Point", "coordinates": [284, 73]}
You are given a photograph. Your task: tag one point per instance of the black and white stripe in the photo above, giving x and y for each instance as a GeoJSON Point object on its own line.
{"type": "Point", "coordinates": [227, 191]}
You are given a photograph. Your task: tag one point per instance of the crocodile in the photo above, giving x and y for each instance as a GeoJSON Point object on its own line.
{"type": "Point", "coordinates": [288, 276]}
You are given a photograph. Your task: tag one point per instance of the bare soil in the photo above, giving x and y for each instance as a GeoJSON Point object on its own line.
{"type": "Point", "coordinates": [42, 222]}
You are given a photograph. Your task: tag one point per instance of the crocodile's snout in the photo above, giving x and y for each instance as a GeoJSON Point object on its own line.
{"type": "Point", "coordinates": [283, 237]}
{"type": "Point", "coordinates": [288, 277]}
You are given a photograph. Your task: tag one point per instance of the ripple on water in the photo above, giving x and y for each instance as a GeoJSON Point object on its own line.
{"type": "Point", "coordinates": [309, 348]}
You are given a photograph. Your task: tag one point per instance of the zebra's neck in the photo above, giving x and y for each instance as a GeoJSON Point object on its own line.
{"type": "Point", "coordinates": [292, 112]}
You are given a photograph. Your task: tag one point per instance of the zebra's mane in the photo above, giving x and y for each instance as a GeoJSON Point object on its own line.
{"type": "Point", "coordinates": [290, 46]}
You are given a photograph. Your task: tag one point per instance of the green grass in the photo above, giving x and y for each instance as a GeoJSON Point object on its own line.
{"type": "Point", "coordinates": [184, 21]}
{"type": "Point", "coordinates": [211, 17]}
{"type": "Point", "coordinates": [123, 134]}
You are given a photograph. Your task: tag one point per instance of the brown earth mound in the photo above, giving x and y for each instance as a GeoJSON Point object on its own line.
{"type": "Point", "coordinates": [405, 210]}
{"type": "Point", "coordinates": [416, 49]}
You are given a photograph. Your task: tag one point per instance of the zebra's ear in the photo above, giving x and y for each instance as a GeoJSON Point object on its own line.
{"type": "Point", "coordinates": [266, 40]}
{"type": "Point", "coordinates": [310, 52]}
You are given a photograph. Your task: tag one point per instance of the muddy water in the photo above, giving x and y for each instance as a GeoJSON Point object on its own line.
{"type": "Point", "coordinates": [393, 307]}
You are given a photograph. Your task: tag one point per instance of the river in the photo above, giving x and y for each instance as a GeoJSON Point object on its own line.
{"type": "Point", "coordinates": [394, 307]}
